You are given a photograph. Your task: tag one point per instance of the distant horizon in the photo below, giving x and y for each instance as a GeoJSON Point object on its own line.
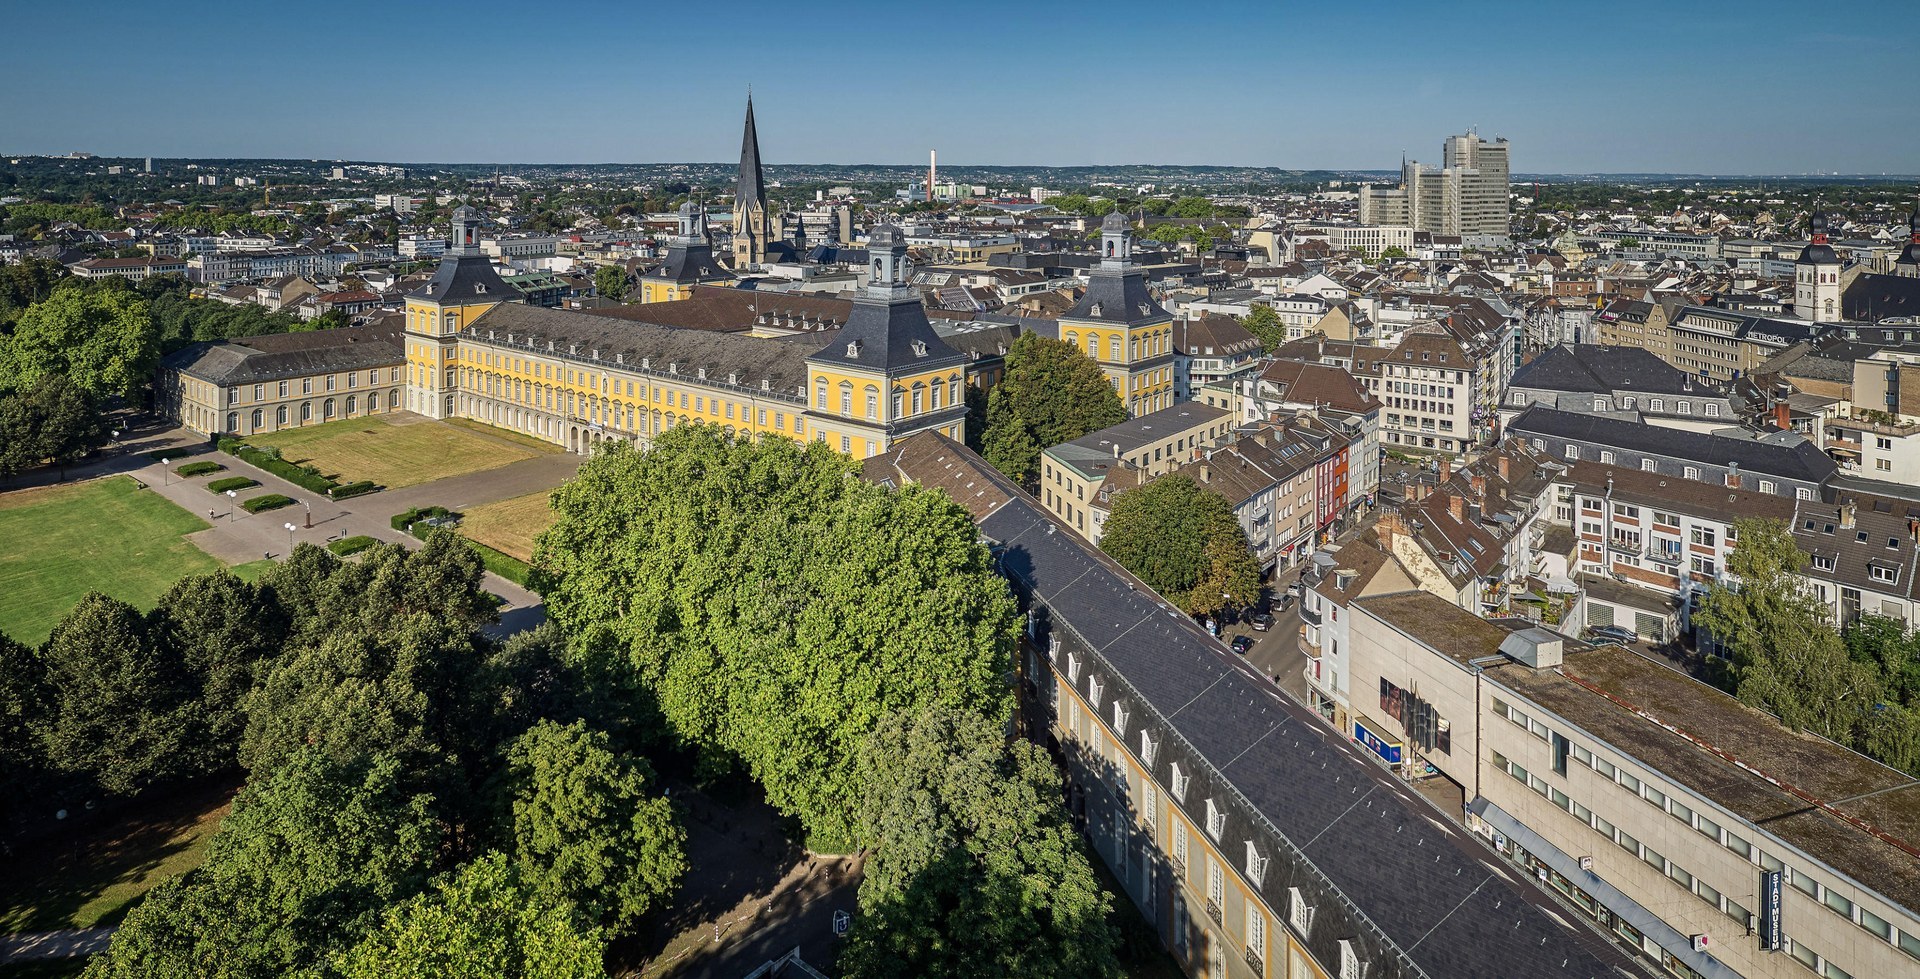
{"type": "Point", "coordinates": [1769, 88]}
{"type": "Point", "coordinates": [1517, 176]}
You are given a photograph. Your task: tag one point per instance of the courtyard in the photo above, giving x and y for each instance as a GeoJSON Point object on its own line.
{"type": "Point", "coordinates": [399, 452]}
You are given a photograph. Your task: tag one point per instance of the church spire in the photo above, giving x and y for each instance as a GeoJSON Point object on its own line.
{"type": "Point", "coordinates": [751, 189]}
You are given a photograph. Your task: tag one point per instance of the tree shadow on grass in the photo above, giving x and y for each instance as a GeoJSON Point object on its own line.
{"type": "Point", "coordinates": [93, 874]}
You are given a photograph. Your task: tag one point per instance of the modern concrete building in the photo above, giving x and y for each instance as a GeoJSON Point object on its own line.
{"type": "Point", "coordinates": [1701, 835]}
{"type": "Point", "coordinates": [1467, 195]}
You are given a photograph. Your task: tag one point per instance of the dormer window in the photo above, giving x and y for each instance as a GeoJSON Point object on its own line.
{"type": "Point", "coordinates": [853, 348]}
{"type": "Point", "coordinates": [479, 287]}
{"type": "Point", "coordinates": [919, 348]}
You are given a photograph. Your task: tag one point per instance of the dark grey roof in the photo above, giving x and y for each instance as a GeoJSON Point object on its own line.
{"type": "Point", "coordinates": [1873, 297]}
{"type": "Point", "coordinates": [647, 346]}
{"type": "Point", "coordinates": [1600, 369]}
{"type": "Point", "coordinates": [690, 262]}
{"type": "Point", "coordinates": [272, 357]}
{"type": "Point", "coordinates": [1305, 796]}
{"type": "Point", "coordinates": [1120, 298]}
{"type": "Point", "coordinates": [750, 187]}
{"type": "Point", "coordinates": [1802, 461]}
{"type": "Point", "coordinates": [466, 278]}
{"type": "Point", "coordinates": [889, 335]}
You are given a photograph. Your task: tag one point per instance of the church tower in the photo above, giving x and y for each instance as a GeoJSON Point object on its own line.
{"type": "Point", "coordinates": [1908, 264]}
{"type": "Point", "coordinates": [1816, 275]}
{"type": "Point", "coordinates": [1118, 324]}
{"type": "Point", "coordinates": [752, 226]}
{"type": "Point", "coordinates": [464, 286]}
{"type": "Point", "coordinates": [886, 374]}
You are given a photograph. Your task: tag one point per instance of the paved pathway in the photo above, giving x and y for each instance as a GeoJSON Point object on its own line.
{"type": "Point", "coordinates": [237, 537]}
{"type": "Point", "coordinates": [28, 946]}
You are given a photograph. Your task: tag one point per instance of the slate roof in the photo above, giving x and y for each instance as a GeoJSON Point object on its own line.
{"type": "Point", "coordinates": [646, 346]}
{"type": "Point", "coordinates": [750, 188]}
{"type": "Point", "coordinates": [1873, 296]}
{"type": "Point", "coordinates": [1424, 895]}
{"type": "Point", "coordinates": [1599, 369]}
{"type": "Point", "coordinates": [690, 262]}
{"type": "Point", "coordinates": [464, 279]}
{"type": "Point", "coordinates": [274, 356]}
{"type": "Point", "coordinates": [888, 334]}
{"type": "Point", "coordinates": [1213, 335]}
{"type": "Point", "coordinates": [1120, 298]}
{"type": "Point", "coordinates": [1318, 384]}
{"type": "Point", "coordinates": [1802, 461]}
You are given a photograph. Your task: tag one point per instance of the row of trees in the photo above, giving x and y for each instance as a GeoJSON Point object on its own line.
{"type": "Point", "coordinates": [419, 800]}
{"type": "Point", "coordinates": [847, 645]}
{"type": "Point", "coordinates": [1860, 686]}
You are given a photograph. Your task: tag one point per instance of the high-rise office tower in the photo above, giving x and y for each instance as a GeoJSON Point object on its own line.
{"type": "Point", "coordinates": [1466, 195]}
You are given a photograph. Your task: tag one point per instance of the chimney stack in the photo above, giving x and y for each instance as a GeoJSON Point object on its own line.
{"type": "Point", "coordinates": [1505, 469]}
{"type": "Point", "coordinates": [1782, 416]}
{"type": "Point", "coordinates": [1385, 528]}
{"type": "Point", "coordinates": [1457, 504]}
{"type": "Point", "coordinates": [1446, 469]}
{"type": "Point", "coordinates": [1733, 475]}
{"type": "Point", "coordinates": [1206, 472]}
{"type": "Point", "coordinates": [1479, 484]}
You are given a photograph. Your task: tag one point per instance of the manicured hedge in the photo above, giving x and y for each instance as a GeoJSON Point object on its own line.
{"type": "Point", "coordinates": [348, 490]}
{"type": "Point", "coordinates": [261, 504]}
{"type": "Point", "coordinates": [401, 521]}
{"type": "Point", "coordinates": [231, 483]}
{"type": "Point", "coordinates": [305, 477]}
{"type": "Point", "coordinates": [352, 545]}
{"type": "Point", "coordinates": [505, 565]}
{"type": "Point", "coordinates": [193, 469]}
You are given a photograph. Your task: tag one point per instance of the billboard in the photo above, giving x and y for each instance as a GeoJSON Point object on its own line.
{"type": "Point", "coordinates": [1389, 751]}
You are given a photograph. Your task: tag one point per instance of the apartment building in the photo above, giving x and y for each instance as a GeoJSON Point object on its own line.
{"type": "Point", "coordinates": [1720, 345]}
{"type": "Point", "coordinates": [1702, 836]}
{"type": "Point", "coordinates": [1433, 391]}
{"type": "Point", "coordinates": [1255, 841]}
{"type": "Point", "coordinates": [130, 269]}
{"type": "Point", "coordinates": [1625, 382]}
{"type": "Point", "coordinates": [1286, 388]}
{"type": "Point", "coordinates": [1078, 477]}
{"type": "Point", "coordinates": [1862, 556]}
{"type": "Point", "coordinates": [1780, 463]}
{"type": "Point", "coordinates": [1209, 350]}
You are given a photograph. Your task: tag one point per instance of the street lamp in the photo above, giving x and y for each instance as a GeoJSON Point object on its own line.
{"type": "Point", "coordinates": [166, 470]}
{"type": "Point", "coordinates": [309, 507]}
{"type": "Point", "coordinates": [290, 529]}
{"type": "Point", "coordinates": [230, 498]}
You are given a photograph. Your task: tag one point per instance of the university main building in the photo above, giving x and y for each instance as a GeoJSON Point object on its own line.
{"type": "Point", "coordinates": [883, 372]}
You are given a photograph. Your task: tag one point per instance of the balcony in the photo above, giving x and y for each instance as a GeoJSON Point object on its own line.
{"type": "Point", "coordinates": [1671, 558]}
{"type": "Point", "coordinates": [1213, 911]}
{"type": "Point", "coordinates": [1627, 545]}
{"type": "Point", "coordinates": [1253, 960]}
{"type": "Point", "coordinates": [1309, 616]}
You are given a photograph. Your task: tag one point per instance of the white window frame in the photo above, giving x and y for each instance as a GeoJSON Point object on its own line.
{"type": "Point", "coordinates": [1179, 783]}
{"type": "Point", "coordinates": [1073, 668]}
{"type": "Point", "coordinates": [1216, 820]}
{"type": "Point", "coordinates": [1299, 912]}
{"type": "Point", "coordinates": [1256, 865]}
{"type": "Point", "coordinates": [1093, 692]}
{"type": "Point", "coordinates": [1148, 748]}
{"type": "Point", "coordinates": [1119, 719]}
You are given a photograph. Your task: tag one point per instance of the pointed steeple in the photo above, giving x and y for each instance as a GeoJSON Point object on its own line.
{"type": "Point", "coordinates": [751, 188]}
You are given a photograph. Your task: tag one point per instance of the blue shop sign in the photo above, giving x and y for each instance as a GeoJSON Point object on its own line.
{"type": "Point", "coordinates": [1388, 751]}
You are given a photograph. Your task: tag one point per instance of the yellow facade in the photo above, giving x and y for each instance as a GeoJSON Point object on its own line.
{"type": "Point", "coordinates": [851, 410]}
{"type": "Point", "coordinates": [1136, 359]}
{"type": "Point", "coordinates": [663, 291]}
{"type": "Point", "coordinates": [431, 331]}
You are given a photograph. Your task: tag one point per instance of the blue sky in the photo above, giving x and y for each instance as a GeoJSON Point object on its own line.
{"type": "Point", "coordinates": [1681, 85]}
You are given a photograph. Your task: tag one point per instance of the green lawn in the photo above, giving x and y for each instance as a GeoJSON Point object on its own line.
{"type": "Point", "coordinates": [59, 542]}
{"type": "Point", "coordinates": [92, 877]}
{"type": "Point", "coordinates": [393, 455]}
{"type": "Point", "coordinates": [252, 570]}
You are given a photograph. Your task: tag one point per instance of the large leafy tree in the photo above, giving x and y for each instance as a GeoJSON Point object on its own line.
{"type": "Point", "coordinates": [1050, 393]}
{"type": "Point", "coordinates": [218, 628]}
{"type": "Point", "coordinates": [610, 282]}
{"type": "Point", "coordinates": [482, 922]}
{"type": "Point", "coordinates": [1265, 325]}
{"type": "Point", "coordinates": [774, 606]}
{"type": "Point", "coordinates": [121, 711]}
{"type": "Point", "coordinates": [1185, 543]}
{"type": "Point", "coordinates": [975, 869]}
{"type": "Point", "coordinates": [103, 340]}
{"type": "Point", "coordinates": [52, 420]}
{"type": "Point", "coordinates": [1787, 656]}
{"type": "Point", "coordinates": [584, 828]}
{"type": "Point", "coordinates": [297, 873]}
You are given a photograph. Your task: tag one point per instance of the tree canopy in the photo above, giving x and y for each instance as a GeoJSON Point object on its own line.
{"type": "Point", "coordinates": [102, 340]}
{"type": "Point", "coordinates": [775, 606]}
{"type": "Point", "coordinates": [1185, 543]}
{"type": "Point", "coordinates": [1050, 393]}
{"type": "Point", "coordinates": [1265, 325]}
{"type": "Point", "coordinates": [976, 870]}
{"type": "Point", "coordinates": [610, 282]}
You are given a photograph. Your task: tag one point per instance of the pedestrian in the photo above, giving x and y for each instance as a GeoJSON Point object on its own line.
{"type": "Point", "coordinates": [209, 513]}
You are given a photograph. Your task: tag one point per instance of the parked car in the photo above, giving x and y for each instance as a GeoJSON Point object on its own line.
{"type": "Point", "coordinates": [1262, 621]}
{"type": "Point", "coordinates": [1614, 633]}
{"type": "Point", "coordinates": [1242, 643]}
